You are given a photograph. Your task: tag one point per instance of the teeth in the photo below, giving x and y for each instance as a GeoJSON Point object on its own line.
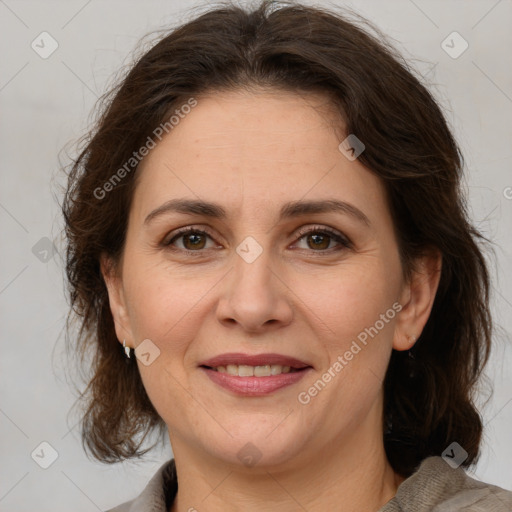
{"type": "Point", "coordinates": [275, 369]}
{"type": "Point", "coordinates": [232, 369]}
{"type": "Point", "coordinates": [245, 370]}
{"type": "Point", "coordinates": [262, 371]}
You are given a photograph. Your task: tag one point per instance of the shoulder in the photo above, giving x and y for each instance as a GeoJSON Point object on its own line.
{"type": "Point", "coordinates": [437, 487]}
{"type": "Point", "coordinates": [158, 494]}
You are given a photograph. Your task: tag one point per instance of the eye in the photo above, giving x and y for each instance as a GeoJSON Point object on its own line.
{"type": "Point", "coordinates": [189, 239]}
{"type": "Point", "coordinates": [320, 239]}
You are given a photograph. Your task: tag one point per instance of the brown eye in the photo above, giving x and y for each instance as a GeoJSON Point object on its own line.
{"type": "Point", "coordinates": [323, 240]}
{"type": "Point", "coordinates": [318, 241]}
{"type": "Point", "coordinates": [192, 240]}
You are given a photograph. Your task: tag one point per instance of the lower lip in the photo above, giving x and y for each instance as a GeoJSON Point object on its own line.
{"type": "Point", "coordinates": [255, 386]}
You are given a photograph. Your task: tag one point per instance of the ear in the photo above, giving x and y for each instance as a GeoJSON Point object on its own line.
{"type": "Point", "coordinates": [417, 299]}
{"type": "Point", "coordinates": [117, 300]}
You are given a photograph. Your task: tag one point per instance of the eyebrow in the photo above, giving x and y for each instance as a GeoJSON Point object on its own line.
{"type": "Point", "coordinates": [288, 210]}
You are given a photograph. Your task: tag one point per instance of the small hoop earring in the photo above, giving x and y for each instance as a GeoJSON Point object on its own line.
{"type": "Point", "coordinates": [126, 350]}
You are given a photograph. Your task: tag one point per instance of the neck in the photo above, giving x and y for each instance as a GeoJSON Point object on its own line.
{"type": "Point", "coordinates": [351, 477]}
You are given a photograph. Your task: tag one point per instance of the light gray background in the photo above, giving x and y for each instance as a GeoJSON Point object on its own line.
{"type": "Point", "coordinates": [45, 103]}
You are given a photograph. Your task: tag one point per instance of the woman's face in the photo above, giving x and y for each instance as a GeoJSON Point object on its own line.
{"type": "Point", "coordinates": [269, 266]}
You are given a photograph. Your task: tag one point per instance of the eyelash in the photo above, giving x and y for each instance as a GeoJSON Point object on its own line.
{"type": "Point", "coordinates": [344, 242]}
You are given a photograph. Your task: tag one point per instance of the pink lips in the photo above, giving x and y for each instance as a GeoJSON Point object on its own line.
{"type": "Point", "coordinates": [254, 386]}
{"type": "Point", "coordinates": [254, 360]}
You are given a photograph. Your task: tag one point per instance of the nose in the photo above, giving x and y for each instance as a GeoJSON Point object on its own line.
{"type": "Point", "coordinates": [254, 296]}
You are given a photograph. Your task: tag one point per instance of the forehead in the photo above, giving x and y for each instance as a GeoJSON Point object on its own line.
{"type": "Point", "coordinates": [259, 148]}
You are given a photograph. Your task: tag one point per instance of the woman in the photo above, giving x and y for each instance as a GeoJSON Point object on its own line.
{"type": "Point", "coordinates": [267, 226]}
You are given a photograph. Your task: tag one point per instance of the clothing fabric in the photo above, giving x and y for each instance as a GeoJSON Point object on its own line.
{"type": "Point", "coordinates": [433, 487]}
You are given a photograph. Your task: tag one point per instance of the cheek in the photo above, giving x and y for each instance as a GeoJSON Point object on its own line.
{"type": "Point", "coordinates": [350, 299]}
{"type": "Point", "coordinates": [354, 322]}
{"type": "Point", "coordinates": [163, 305]}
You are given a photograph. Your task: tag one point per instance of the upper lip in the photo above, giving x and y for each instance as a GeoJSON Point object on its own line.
{"type": "Point", "coordinates": [254, 360]}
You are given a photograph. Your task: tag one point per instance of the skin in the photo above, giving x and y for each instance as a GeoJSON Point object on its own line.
{"type": "Point", "coordinates": [306, 297]}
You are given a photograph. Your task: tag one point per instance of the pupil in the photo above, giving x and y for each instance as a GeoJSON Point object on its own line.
{"type": "Point", "coordinates": [320, 238]}
{"type": "Point", "coordinates": [194, 240]}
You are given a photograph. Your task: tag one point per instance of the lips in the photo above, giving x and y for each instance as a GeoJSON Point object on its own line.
{"type": "Point", "coordinates": [285, 371]}
{"type": "Point", "coordinates": [254, 360]}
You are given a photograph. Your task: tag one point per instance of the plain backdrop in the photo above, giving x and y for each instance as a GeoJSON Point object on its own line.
{"type": "Point", "coordinates": [46, 103]}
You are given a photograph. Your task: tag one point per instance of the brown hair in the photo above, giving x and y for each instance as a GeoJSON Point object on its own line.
{"type": "Point", "coordinates": [429, 398]}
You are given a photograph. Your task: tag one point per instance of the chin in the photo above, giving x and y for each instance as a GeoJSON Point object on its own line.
{"type": "Point", "coordinates": [258, 448]}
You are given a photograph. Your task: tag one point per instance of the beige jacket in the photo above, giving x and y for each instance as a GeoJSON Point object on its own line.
{"type": "Point", "coordinates": [434, 487]}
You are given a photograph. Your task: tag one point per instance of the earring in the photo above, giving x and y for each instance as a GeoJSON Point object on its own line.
{"type": "Point", "coordinates": [126, 350]}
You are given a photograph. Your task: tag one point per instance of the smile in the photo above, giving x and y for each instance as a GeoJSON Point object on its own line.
{"type": "Point", "coordinates": [254, 374]}
{"type": "Point", "coordinates": [244, 370]}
